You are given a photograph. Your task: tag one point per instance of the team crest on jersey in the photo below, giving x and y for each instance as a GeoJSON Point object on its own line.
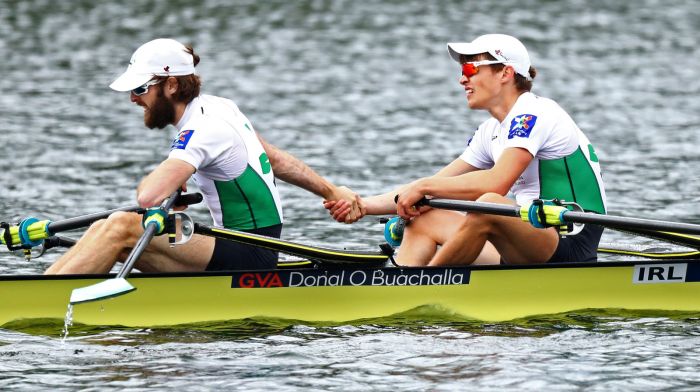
{"type": "Point", "coordinates": [521, 126]}
{"type": "Point", "coordinates": [182, 139]}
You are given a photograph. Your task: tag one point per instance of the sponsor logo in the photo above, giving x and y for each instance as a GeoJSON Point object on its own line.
{"type": "Point", "coordinates": [499, 53]}
{"type": "Point", "coordinates": [269, 279]}
{"type": "Point", "coordinates": [659, 273]}
{"type": "Point", "coordinates": [183, 137]}
{"type": "Point", "coordinates": [385, 277]}
{"type": "Point", "coordinates": [521, 126]}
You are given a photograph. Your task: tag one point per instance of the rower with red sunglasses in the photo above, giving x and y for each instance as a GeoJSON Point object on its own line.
{"type": "Point", "coordinates": [530, 148]}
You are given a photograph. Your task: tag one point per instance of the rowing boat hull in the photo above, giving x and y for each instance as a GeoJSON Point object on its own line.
{"type": "Point", "coordinates": [344, 294]}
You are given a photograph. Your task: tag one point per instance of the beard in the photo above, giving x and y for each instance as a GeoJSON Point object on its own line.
{"type": "Point", "coordinates": [161, 114]}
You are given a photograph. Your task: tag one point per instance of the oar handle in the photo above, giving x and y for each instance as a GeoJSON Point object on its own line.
{"type": "Point", "coordinates": [472, 206]}
{"type": "Point", "coordinates": [86, 220]}
{"type": "Point", "coordinates": [145, 239]}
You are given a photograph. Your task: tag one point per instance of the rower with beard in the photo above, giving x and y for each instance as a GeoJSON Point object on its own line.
{"type": "Point", "coordinates": [219, 149]}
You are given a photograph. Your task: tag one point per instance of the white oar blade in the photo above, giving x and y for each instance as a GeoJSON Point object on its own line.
{"type": "Point", "coordinates": [103, 290]}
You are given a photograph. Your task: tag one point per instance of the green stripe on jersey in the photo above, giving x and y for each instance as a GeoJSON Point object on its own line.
{"type": "Point", "coordinates": [571, 179]}
{"type": "Point", "coordinates": [246, 202]}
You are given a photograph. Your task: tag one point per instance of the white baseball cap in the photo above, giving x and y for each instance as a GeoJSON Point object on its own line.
{"type": "Point", "coordinates": [502, 47]}
{"type": "Point", "coordinates": [160, 57]}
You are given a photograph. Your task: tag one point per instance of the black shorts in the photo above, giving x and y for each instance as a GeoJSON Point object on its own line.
{"type": "Point", "coordinates": [582, 247]}
{"type": "Point", "coordinates": [229, 255]}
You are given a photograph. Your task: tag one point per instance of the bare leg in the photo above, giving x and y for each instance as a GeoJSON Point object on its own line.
{"type": "Point", "coordinates": [515, 240]}
{"type": "Point", "coordinates": [489, 255]}
{"type": "Point", "coordinates": [111, 240]}
{"type": "Point", "coordinates": [192, 256]}
{"type": "Point", "coordinates": [100, 246]}
{"type": "Point", "coordinates": [432, 229]}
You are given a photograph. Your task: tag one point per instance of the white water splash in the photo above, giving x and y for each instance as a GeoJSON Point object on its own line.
{"type": "Point", "coordinates": [67, 322]}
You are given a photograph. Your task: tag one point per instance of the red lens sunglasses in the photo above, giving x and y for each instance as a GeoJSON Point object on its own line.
{"type": "Point", "coordinates": [471, 69]}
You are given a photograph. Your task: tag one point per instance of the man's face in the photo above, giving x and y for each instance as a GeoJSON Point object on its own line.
{"type": "Point", "coordinates": [481, 81]}
{"type": "Point", "coordinates": [481, 88]}
{"type": "Point", "coordinates": [158, 110]}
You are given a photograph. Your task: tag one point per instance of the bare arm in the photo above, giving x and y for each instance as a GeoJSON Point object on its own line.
{"type": "Point", "coordinates": [171, 175]}
{"type": "Point", "coordinates": [468, 186]}
{"type": "Point", "coordinates": [384, 204]}
{"type": "Point", "coordinates": [290, 169]}
{"type": "Point", "coordinates": [455, 168]}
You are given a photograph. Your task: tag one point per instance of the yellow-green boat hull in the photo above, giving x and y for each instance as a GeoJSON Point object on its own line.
{"type": "Point", "coordinates": [344, 294]}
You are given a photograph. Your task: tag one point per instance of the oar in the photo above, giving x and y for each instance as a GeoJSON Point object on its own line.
{"type": "Point", "coordinates": [394, 228]}
{"type": "Point", "coordinates": [557, 216]}
{"type": "Point", "coordinates": [648, 252]}
{"type": "Point", "coordinates": [688, 240]}
{"type": "Point", "coordinates": [30, 232]}
{"type": "Point", "coordinates": [318, 254]}
{"type": "Point", "coordinates": [118, 285]}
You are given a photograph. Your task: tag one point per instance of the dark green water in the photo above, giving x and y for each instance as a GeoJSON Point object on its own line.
{"type": "Point", "coordinates": [366, 94]}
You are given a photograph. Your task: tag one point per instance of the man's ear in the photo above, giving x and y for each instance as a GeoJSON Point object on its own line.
{"type": "Point", "coordinates": [508, 72]}
{"type": "Point", "coordinates": [171, 85]}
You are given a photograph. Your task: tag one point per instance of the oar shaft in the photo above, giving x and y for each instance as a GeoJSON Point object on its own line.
{"type": "Point", "coordinates": [86, 220]}
{"type": "Point", "coordinates": [635, 223]}
{"type": "Point", "coordinates": [473, 206]}
{"type": "Point", "coordinates": [145, 239]}
{"type": "Point", "coordinates": [139, 248]}
{"type": "Point", "coordinates": [615, 222]}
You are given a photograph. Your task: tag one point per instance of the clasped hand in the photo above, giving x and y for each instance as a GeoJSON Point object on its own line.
{"type": "Point", "coordinates": [346, 206]}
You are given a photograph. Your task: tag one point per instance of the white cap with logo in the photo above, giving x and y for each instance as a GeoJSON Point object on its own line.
{"type": "Point", "coordinates": [160, 57]}
{"type": "Point", "coordinates": [502, 47]}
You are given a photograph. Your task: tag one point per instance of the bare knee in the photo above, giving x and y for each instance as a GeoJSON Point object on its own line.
{"type": "Point", "coordinates": [428, 221]}
{"type": "Point", "coordinates": [436, 224]}
{"type": "Point", "coordinates": [488, 219]}
{"type": "Point", "coordinates": [492, 197]}
{"type": "Point", "coordinates": [120, 227]}
{"type": "Point", "coordinates": [418, 224]}
{"type": "Point", "coordinates": [481, 222]}
{"type": "Point", "coordinates": [477, 222]}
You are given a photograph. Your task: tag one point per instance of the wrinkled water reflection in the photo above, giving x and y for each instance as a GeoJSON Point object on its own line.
{"type": "Point", "coordinates": [366, 94]}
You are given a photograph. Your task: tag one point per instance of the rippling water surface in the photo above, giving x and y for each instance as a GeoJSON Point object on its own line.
{"type": "Point", "coordinates": [365, 93]}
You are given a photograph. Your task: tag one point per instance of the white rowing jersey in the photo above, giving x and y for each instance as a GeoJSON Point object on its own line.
{"type": "Point", "coordinates": [565, 165]}
{"type": "Point", "coordinates": [232, 169]}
